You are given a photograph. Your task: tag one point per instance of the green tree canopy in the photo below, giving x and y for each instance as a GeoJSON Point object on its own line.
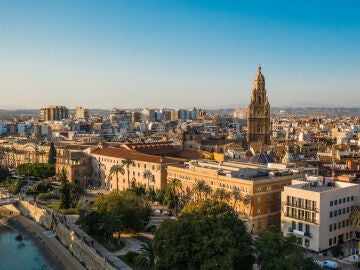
{"type": "Point", "coordinates": [206, 235]}
{"type": "Point", "coordinates": [134, 210]}
{"type": "Point", "coordinates": [52, 154]}
{"type": "Point", "coordinates": [41, 170]}
{"type": "Point", "coordinates": [69, 193]}
{"type": "Point", "coordinates": [278, 252]}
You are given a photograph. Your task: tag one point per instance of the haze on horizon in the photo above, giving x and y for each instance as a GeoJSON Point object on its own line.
{"type": "Point", "coordinates": [128, 54]}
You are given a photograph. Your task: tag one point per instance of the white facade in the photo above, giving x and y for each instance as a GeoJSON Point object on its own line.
{"type": "Point", "coordinates": [317, 213]}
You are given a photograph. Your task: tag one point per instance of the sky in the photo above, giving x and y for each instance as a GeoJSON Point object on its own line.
{"type": "Point", "coordinates": [177, 54]}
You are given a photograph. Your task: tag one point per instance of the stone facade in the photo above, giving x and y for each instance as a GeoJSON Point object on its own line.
{"type": "Point", "coordinates": [259, 112]}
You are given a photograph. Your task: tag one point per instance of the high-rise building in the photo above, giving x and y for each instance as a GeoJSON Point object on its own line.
{"type": "Point", "coordinates": [54, 113]}
{"type": "Point", "coordinates": [259, 112]}
{"type": "Point", "coordinates": [81, 113]}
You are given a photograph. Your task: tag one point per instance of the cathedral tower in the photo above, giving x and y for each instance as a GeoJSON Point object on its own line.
{"type": "Point", "coordinates": [258, 121]}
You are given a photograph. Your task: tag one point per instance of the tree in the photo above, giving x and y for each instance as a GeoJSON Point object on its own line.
{"type": "Point", "coordinates": [222, 195]}
{"type": "Point", "coordinates": [116, 169]}
{"type": "Point", "coordinates": [149, 176]}
{"type": "Point", "coordinates": [52, 154]}
{"type": "Point", "coordinates": [127, 162]}
{"type": "Point", "coordinates": [206, 235]}
{"type": "Point", "coordinates": [355, 216]}
{"type": "Point", "coordinates": [276, 251]}
{"type": "Point", "coordinates": [146, 255]}
{"type": "Point", "coordinates": [199, 189]}
{"type": "Point", "coordinates": [173, 194]}
{"type": "Point", "coordinates": [134, 210]}
{"type": "Point", "coordinates": [69, 193]}
{"type": "Point", "coordinates": [109, 223]}
{"type": "Point", "coordinates": [65, 191]}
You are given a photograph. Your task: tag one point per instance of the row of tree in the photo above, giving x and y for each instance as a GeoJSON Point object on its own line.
{"type": "Point", "coordinates": [41, 170]}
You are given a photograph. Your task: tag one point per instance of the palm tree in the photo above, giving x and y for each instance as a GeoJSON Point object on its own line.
{"type": "Point", "coordinates": [355, 216]}
{"type": "Point", "coordinates": [128, 162]}
{"type": "Point", "coordinates": [110, 223]}
{"type": "Point", "coordinates": [173, 195]}
{"type": "Point", "coordinates": [222, 195]}
{"type": "Point", "coordinates": [149, 176]}
{"type": "Point", "coordinates": [147, 255]}
{"type": "Point", "coordinates": [116, 169]}
{"type": "Point", "coordinates": [237, 196]}
{"type": "Point", "coordinates": [200, 187]}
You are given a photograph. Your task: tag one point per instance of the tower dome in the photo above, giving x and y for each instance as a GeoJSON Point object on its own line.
{"type": "Point", "coordinates": [259, 77]}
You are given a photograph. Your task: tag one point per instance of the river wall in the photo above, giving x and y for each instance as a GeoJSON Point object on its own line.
{"type": "Point", "coordinates": [93, 257]}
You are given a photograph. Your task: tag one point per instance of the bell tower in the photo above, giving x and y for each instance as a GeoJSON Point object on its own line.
{"type": "Point", "coordinates": [258, 121]}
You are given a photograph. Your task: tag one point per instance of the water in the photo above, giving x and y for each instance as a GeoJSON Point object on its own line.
{"type": "Point", "coordinates": [16, 255]}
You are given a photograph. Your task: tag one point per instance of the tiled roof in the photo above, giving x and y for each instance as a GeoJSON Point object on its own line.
{"type": "Point", "coordinates": [136, 156]}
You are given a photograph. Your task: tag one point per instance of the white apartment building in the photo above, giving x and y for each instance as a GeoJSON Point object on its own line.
{"type": "Point", "coordinates": [317, 213]}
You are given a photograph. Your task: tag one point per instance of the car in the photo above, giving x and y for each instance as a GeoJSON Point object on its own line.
{"type": "Point", "coordinates": [327, 264]}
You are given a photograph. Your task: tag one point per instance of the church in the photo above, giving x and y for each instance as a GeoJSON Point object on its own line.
{"type": "Point", "coordinates": [258, 117]}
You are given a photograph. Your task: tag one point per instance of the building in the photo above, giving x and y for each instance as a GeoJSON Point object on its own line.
{"type": "Point", "coordinates": [54, 113]}
{"type": "Point", "coordinates": [259, 112]}
{"type": "Point", "coordinates": [76, 165]}
{"type": "Point", "coordinates": [318, 212]}
{"type": "Point", "coordinates": [155, 166]}
{"type": "Point", "coordinates": [81, 113]}
{"type": "Point", "coordinates": [259, 187]}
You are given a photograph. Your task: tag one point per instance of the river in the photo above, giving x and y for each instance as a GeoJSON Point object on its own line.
{"type": "Point", "coordinates": [15, 255]}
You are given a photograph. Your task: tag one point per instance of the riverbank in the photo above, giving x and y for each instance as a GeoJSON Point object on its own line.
{"type": "Point", "coordinates": [54, 254]}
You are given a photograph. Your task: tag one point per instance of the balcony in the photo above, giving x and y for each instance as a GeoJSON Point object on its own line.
{"type": "Point", "coordinates": [302, 206]}
{"type": "Point", "coordinates": [311, 220]}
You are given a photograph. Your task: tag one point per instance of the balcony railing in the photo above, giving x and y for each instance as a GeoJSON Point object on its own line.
{"type": "Point", "coordinates": [302, 206]}
{"type": "Point", "coordinates": [311, 220]}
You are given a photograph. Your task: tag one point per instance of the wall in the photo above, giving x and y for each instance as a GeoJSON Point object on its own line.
{"type": "Point", "coordinates": [74, 239]}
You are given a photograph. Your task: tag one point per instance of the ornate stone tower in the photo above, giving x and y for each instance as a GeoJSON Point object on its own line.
{"type": "Point", "coordinates": [258, 121]}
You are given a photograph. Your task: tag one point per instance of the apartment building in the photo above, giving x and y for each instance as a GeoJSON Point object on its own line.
{"type": "Point", "coordinates": [259, 187]}
{"type": "Point", "coordinates": [317, 213]}
{"type": "Point", "coordinates": [155, 166]}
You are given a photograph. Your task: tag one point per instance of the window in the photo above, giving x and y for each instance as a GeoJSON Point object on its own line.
{"type": "Point", "coordinates": [339, 201]}
{"type": "Point", "coordinates": [335, 213]}
{"type": "Point", "coordinates": [331, 203]}
{"type": "Point", "coordinates": [339, 212]}
{"type": "Point", "coordinates": [348, 199]}
{"type": "Point", "coordinates": [307, 228]}
{"type": "Point", "coordinates": [343, 223]}
{"type": "Point", "coordinates": [343, 211]}
{"type": "Point", "coordinates": [330, 228]}
{"type": "Point", "coordinates": [330, 241]}
{"type": "Point", "coordinates": [352, 198]}
{"type": "Point", "coordinates": [339, 225]}
{"type": "Point", "coordinates": [300, 226]}
{"type": "Point", "coordinates": [293, 225]}
{"type": "Point", "coordinates": [334, 226]}
{"type": "Point", "coordinates": [334, 240]}
{"type": "Point", "coordinates": [344, 200]}
{"type": "Point", "coordinates": [347, 209]}
{"type": "Point", "coordinates": [335, 202]}
{"type": "Point", "coordinates": [331, 214]}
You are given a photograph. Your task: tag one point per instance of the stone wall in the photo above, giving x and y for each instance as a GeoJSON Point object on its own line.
{"type": "Point", "coordinates": [78, 242]}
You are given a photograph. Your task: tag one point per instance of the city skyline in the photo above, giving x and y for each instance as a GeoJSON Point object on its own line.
{"type": "Point", "coordinates": [177, 54]}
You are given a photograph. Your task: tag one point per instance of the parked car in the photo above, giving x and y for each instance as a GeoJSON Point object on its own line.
{"type": "Point", "coordinates": [327, 264]}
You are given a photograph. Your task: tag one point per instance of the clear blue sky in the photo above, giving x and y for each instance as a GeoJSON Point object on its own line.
{"type": "Point", "coordinates": [103, 54]}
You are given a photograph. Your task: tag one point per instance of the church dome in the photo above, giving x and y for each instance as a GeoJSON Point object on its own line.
{"type": "Point", "coordinates": [261, 158]}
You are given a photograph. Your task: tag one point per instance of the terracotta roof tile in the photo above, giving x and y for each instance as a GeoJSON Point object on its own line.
{"type": "Point", "coordinates": [134, 155]}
